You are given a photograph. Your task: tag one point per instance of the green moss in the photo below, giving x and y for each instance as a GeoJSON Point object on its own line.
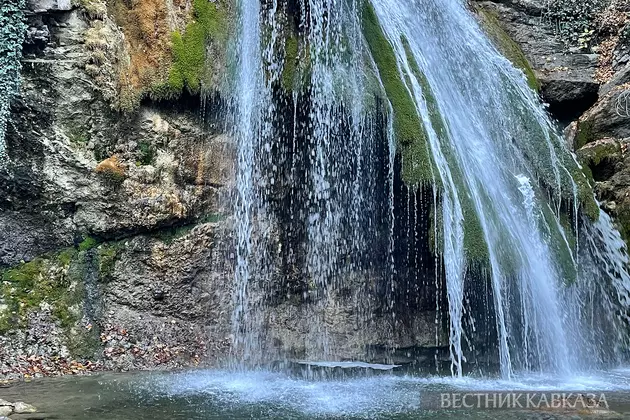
{"type": "Point", "coordinates": [585, 194]}
{"type": "Point", "coordinates": [147, 153]}
{"type": "Point", "coordinates": [507, 46]}
{"type": "Point", "coordinates": [25, 275]}
{"type": "Point", "coordinates": [108, 254]}
{"type": "Point", "coordinates": [561, 249]}
{"type": "Point", "coordinates": [582, 177]}
{"type": "Point", "coordinates": [65, 257]}
{"type": "Point", "coordinates": [27, 285]}
{"type": "Point", "coordinates": [289, 71]}
{"type": "Point", "coordinates": [408, 127]}
{"type": "Point", "coordinates": [58, 280]}
{"type": "Point", "coordinates": [474, 240]}
{"type": "Point", "coordinates": [475, 246]}
{"type": "Point", "coordinates": [585, 134]}
{"type": "Point", "coordinates": [168, 90]}
{"type": "Point", "coordinates": [88, 243]}
{"type": "Point", "coordinates": [210, 21]}
{"type": "Point", "coordinates": [598, 152]}
{"type": "Point", "coordinates": [567, 227]}
{"type": "Point", "coordinates": [423, 163]}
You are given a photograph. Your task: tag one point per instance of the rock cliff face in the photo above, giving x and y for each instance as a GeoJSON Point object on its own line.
{"type": "Point", "coordinates": [115, 222]}
{"type": "Point", "coordinates": [581, 57]}
{"type": "Point", "coordinates": [116, 248]}
{"type": "Point", "coordinates": [109, 221]}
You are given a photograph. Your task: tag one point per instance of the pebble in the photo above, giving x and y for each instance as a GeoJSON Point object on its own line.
{"type": "Point", "coordinates": [5, 410]}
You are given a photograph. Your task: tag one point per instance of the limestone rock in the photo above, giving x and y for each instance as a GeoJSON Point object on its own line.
{"type": "Point", "coordinates": [23, 408]}
{"type": "Point", "coordinates": [610, 117]}
{"type": "Point", "coordinates": [41, 6]}
{"type": "Point", "coordinates": [169, 169]}
{"type": "Point", "coordinates": [5, 410]}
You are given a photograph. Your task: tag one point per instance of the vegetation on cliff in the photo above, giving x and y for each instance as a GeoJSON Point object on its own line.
{"type": "Point", "coordinates": [12, 30]}
{"type": "Point", "coordinates": [408, 128]}
{"type": "Point", "coordinates": [210, 22]}
{"type": "Point", "coordinates": [154, 48]}
{"type": "Point", "coordinates": [57, 283]}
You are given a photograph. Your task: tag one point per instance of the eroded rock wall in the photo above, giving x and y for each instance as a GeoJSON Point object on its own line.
{"type": "Point", "coordinates": [109, 220]}
{"type": "Point", "coordinates": [116, 237]}
{"type": "Point", "coordinates": [580, 53]}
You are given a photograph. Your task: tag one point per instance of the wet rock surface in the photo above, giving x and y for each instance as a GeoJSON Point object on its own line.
{"type": "Point", "coordinates": [18, 407]}
{"type": "Point", "coordinates": [566, 76]}
{"type": "Point", "coordinates": [587, 86]}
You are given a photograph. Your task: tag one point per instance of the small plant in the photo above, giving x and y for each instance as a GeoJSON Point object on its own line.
{"type": "Point", "coordinates": [88, 243]}
{"type": "Point", "coordinates": [147, 153]}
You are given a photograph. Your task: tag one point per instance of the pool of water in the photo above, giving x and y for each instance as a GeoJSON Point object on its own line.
{"type": "Point", "coordinates": [223, 394]}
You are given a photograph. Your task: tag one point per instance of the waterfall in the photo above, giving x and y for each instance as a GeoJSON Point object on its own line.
{"type": "Point", "coordinates": [509, 214]}
{"type": "Point", "coordinates": [12, 33]}
{"type": "Point", "coordinates": [490, 120]}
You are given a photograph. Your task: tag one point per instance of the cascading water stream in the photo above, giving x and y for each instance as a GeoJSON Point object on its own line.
{"type": "Point", "coordinates": [503, 187]}
{"type": "Point", "coordinates": [481, 99]}
{"type": "Point", "coordinates": [249, 84]}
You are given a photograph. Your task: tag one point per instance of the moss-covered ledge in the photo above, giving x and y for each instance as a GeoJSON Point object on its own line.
{"type": "Point", "coordinates": [408, 128]}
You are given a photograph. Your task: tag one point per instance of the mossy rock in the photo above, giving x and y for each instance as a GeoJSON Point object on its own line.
{"type": "Point", "coordinates": [45, 279]}
{"type": "Point", "coordinates": [585, 134]}
{"type": "Point", "coordinates": [210, 22]}
{"type": "Point", "coordinates": [562, 244]}
{"type": "Point", "coordinates": [595, 153]}
{"type": "Point", "coordinates": [57, 280]}
{"type": "Point", "coordinates": [289, 71]}
{"type": "Point", "coordinates": [408, 128]}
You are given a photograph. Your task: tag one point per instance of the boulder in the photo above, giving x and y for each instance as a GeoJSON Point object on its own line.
{"type": "Point", "coordinates": [610, 117]}
{"type": "Point", "coordinates": [42, 6]}
{"type": "Point", "coordinates": [21, 407]}
{"type": "Point", "coordinates": [568, 95]}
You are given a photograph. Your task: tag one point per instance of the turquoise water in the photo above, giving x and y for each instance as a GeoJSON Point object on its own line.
{"type": "Point", "coordinates": [219, 394]}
